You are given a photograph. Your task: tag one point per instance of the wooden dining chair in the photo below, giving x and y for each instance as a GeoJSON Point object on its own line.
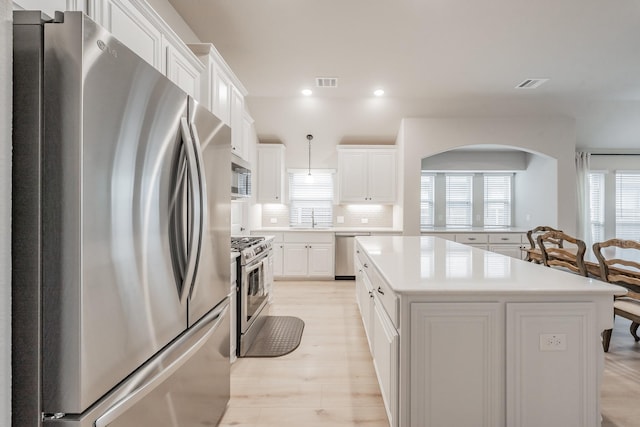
{"type": "Point", "coordinates": [556, 254]}
{"type": "Point", "coordinates": [619, 262]}
{"type": "Point", "coordinates": [533, 253]}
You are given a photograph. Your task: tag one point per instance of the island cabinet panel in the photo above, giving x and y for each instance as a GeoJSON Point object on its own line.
{"type": "Point", "coordinates": [457, 367]}
{"type": "Point", "coordinates": [386, 347]}
{"type": "Point", "coordinates": [484, 340]}
{"type": "Point", "coordinates": [552, 354]}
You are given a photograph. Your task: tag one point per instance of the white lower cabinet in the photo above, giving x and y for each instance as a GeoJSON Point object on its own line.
{"type": "Point", "coordinates": [383, 338]}
{"type": "Point", "coordinates": [386, 345]}
{"type": "Point", "coordinates": [513, 251]}
{"type": "Point", "coordinates": [509, 244]}
{"type": "Point", "coordinates": [295, 259]}
{"type": "Point", "coordinates": [308, 255]}
{"type": "Point", "coordinates": [278, 257]}
{"type": "Point", "coordinates": [312, 260]}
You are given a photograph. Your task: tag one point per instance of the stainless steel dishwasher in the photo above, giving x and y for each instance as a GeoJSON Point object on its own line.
{"type": "Point", "coordinates": [344, 255]}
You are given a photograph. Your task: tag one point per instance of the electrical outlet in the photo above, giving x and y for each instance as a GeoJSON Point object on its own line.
{"type": "Point", "coordinates": [273, 220]}
{"type": "Point", "coordinates": [364, 220]}
{"type": "Point", "coordinates": [553, 342]}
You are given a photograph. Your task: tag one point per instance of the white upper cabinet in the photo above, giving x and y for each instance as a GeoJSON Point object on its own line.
{"type": "Point", "coordinates": [270, 173]}
{"type": "Point", "coordinates": [184, 70]}
{"type": "Point", "coordinates": [221, 94]}
{"type": "Point", "coordinates": [237, 124]}
{"type": "Point", "coordinates": [216, 87]}
{"type": "Point", "coordinates": [367, 175]}
{"type": "Point", "coordinates": [51, 6]}
{"type": "Point", "coordinates": [130, 26]}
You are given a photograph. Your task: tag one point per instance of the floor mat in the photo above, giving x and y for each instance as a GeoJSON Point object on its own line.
{"type": "Point", "coordinates": [279, 335]}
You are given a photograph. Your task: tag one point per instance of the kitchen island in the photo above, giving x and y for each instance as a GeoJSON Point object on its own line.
{"type": "Point", "coordinates": [463, 337]}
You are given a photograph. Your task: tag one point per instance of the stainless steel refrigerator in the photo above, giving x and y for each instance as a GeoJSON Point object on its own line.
{"type": "Point", "coordinates": [121, 236]}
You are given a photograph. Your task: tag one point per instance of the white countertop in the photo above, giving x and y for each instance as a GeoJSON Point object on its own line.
{"type": "Point", "coordinates": [473, 230]}
{"type": "Point", "coordinates": [329, 229]}
{"type": "Point", "coordinates": [430, 265]}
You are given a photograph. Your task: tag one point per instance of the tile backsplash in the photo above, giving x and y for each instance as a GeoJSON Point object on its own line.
{"type": "Point", "coordinates": [353, 215]}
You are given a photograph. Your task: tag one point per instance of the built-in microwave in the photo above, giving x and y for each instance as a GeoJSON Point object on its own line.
{"type": "Point", "coordinates": [240, 178]}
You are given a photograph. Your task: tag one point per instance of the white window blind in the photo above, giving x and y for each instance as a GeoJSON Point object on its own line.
{"type": "Point", "coordinates": [596, 206]}
{"type": "Point", "coordinates": [497, 200]}
{"type": "Point", "coordinates": [459, 193]}
{"type": "Point", "coordinates": [628, 205]}
{"type": "Point", "coordinates": [311, 199]}
{"type": "Point", "coordinates": [427, 182]}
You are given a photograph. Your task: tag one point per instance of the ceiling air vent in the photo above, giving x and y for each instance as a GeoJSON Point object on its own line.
{"type": "Point", "coordinates": [326, 82]}
{"type": "Point", "coordinates": [531, 83]}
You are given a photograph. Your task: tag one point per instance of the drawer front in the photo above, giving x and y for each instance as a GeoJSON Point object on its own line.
{"type": "Point", "coordinates": [385, 295]}
{"type": "Point", "coordinates": [505, 238]}
{"type": "Point", "coordinates": [308, 237]}
{"type": "Point", "coordinates": [361, 256]}
{"type": "Point", "coordinates": [472, 238]}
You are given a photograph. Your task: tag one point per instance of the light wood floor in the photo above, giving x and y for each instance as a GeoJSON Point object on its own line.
{"type": "Point", "coordinates": [330, 381]}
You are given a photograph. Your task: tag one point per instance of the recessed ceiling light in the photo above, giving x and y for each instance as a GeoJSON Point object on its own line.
{"type": "Point", "coordinates": [307, 92]}
{"type": "Point", "coordinates": [378, 92]}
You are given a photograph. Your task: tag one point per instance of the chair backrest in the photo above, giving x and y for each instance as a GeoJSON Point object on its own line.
{"type": "Point", "coordinates": [533, 234]}
{"type": "Point", "coordinates": [619, 262]}
{"type": "Point", "coordinates": [556, 255]}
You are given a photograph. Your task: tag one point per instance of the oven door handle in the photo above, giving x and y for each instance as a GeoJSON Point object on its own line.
{"type": "Point", "coordinates": [255, 264]}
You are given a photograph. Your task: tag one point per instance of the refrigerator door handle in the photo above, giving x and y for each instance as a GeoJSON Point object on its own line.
{"type": "Point", "coordinates": [202, 189]}
{"type": "Point", "coordinates": [210, 321]}
{"type": "Point", "coordinates": [196, 224]}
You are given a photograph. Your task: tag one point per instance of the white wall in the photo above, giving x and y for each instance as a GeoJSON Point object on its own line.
{"type": "Point", "coordinates": [175, 21]}
{"type": "Point", "coordinates": [539, 205]}
{"type": "Point", "coordinates": [472, 161]}
{"type": "Point", "coordinates": [551, 136]}
{"type": "Point", "coordinates": [5, 210]}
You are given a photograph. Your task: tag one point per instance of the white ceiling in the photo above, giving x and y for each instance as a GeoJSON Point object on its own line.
{"type": "Point", "coordinates": [433, 58]}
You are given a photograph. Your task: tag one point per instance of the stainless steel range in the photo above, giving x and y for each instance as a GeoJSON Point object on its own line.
{"type": "Point", "coordinates": [253, 290]}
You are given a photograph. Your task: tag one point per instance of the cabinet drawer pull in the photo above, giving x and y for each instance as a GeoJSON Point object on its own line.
{"type": "Point", "coordinates": [504, 238]}
{"type": "Point", "coordinates": [366, 265]}
{"type": "Point", "coordinates": [380, 291]}
{"type": "Point", "coordinates": [471, 238]}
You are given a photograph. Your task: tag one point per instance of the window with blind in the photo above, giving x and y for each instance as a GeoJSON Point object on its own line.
{"type": "Point", "coordinates": [628, 205]}
{"type": "Point", "coordinates": [427, 199]}
{"type": "Point", "coordinates": [596, 206]}
{"type": "Point", "coordinates": [459, 193]}
{"type": "Point", "coordinates": [497, 200]}
{"type": "Point", "coordinates": [311, 200]}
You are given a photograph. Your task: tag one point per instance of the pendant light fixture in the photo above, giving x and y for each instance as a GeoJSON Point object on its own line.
{"type": "Point", "coordinates": [309, 178]}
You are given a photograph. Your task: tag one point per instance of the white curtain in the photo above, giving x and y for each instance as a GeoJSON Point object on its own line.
{"type": "Point", "coordinates": [583, 220]}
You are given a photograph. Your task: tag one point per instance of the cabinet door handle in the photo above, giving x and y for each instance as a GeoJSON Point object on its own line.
{"type": "Point", "coordinates": [370, 294]}
{"type": "Point", "coordinates": [366, 265]}
{"type": "Point", "coordinates": [380, 291]}
{"type": "Point", "coordinates": [309, 246]}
